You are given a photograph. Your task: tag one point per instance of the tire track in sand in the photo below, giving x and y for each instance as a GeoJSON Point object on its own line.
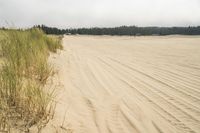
{"type": "Point", "coordinates": [133, 85]}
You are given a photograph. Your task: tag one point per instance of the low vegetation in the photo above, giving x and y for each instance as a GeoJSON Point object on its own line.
{"type": "Point", "coordinates": [24, 99]}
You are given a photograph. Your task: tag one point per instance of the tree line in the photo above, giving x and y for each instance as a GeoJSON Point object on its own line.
{"type": "Point", "coordinates": [124, 30]}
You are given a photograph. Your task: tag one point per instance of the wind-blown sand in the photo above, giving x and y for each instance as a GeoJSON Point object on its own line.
{"type": "Point", "coordinates": [128, 85]}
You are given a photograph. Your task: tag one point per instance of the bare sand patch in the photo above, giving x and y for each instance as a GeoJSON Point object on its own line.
{"type": "Point", "coordinates": [128, 84]}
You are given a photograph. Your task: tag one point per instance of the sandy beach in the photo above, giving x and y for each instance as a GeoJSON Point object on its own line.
{"type": "Point", "coordinates": [125, 84]}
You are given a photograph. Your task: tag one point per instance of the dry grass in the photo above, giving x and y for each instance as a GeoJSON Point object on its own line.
{"type": "Point", "coordinates": [24, 101]}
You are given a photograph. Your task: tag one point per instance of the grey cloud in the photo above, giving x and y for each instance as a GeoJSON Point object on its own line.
{"type": "Point", "coordinates": [102, 13]}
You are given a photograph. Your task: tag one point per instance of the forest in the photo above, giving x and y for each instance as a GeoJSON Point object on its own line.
{"type": "Point", "coordinates": [123, 30]}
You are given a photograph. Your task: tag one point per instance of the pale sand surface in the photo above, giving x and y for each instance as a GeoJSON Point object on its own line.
{"type": "Point", "coordinates": [128, 85]}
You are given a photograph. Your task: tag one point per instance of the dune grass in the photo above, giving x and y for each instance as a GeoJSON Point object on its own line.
{"type": "Point", "coordinates": [24, 99]}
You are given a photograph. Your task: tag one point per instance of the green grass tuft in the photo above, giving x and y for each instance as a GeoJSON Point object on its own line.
{"type": "Point", "coordinates": [24, 100]}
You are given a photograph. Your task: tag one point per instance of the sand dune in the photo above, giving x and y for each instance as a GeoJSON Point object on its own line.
{"type": "Point", "coordinates": [128, 85]}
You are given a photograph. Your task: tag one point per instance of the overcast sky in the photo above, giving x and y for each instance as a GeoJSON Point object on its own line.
{"type": "Point", "coordinates": [99, 13]}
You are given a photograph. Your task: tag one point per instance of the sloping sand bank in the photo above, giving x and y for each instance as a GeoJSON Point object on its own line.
{"type": "Point", "coordinates": [128, 85]}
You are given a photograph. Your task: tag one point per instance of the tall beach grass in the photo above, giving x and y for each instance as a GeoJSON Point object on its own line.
{"type": "Point", "coordinates": [24, 71]}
